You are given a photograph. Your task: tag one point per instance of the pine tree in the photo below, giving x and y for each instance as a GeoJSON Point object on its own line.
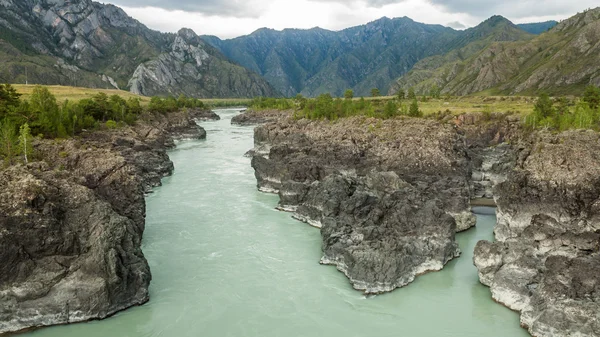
{"type": "Point", "coordinates": [375, 92]}
{"type": "Point", "coordinates": [435, 91]}
{"type": "Point", "coordinates": [8, 141]}
{"type": "Point", "coordinates": [414, 111]}
{"type": "Point", "coordinates": [544, 106]}
{"type": "Point", "coordinates": [391, 109]}
{"type": "Point", "coordinates": [592, 97]}
{"type": "Point", "coordinates": [401, 95]}
{"type": "Point", "coordinates": [411, 93]}
{"type": "Point", "coordinates": [9, 98]}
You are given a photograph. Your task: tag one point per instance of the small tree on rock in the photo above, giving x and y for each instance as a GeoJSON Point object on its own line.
{"type": "Point", "coordinates": [25, 142]}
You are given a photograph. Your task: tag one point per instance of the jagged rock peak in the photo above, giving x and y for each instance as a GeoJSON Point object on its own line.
{"type": "Point", "coordinates": [187, 34]}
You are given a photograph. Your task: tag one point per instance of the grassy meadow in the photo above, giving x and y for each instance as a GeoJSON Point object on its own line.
{"type": "Point", "coordinates": [456, 105]}
{"type": "Point", "coordinates": [63, 93]}
{"type": "Point", "coordinates": [469, 104]}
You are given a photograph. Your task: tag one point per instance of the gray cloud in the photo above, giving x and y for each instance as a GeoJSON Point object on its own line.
{"type": "Point", "coordinates": [232, 8]}
{"type": "Point", "coordinates": [480, 9]}
{"type": "Point", "coordinates": [514, 9]}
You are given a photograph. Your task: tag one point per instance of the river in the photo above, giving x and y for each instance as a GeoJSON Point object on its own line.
{"type": "Point", "coordinates": [226, 263]}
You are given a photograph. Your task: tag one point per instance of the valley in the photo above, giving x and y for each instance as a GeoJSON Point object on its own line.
{"type": "Point", "coordinates": [380, 179]}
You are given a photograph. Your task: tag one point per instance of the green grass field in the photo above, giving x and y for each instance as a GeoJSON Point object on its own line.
{"type": "Point", "coordinates": [456, 105]}
{"type": "Point", "coordinates": [63, 93]}
{"type": "Point", "coordinates": [471, 104]}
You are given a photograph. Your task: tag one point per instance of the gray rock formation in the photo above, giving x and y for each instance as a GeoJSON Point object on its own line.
{"type": "Point", "coordinates": [545, 262]}
{"type": "Point", "coordinates": [71, 232]}
{"type": "Point", "coordinates": [388, 197]}
{"type": "Point", "coordinates": [380, 231]}
{"type": "Point", "coordinates": [250, 117]}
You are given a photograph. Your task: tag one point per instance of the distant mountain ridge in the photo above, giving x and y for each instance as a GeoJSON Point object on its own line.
{"type": "Point", "coordinates": [85, 43]}
{"type": "Point", "coordinates": [316, 61]}
{"type": "Point", "coordinates": [563, 60]}
{"type": "Point", "coordinates": [538, 27]}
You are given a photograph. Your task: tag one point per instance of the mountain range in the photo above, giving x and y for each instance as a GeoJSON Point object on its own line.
{"type": "Point", "coordinates": [85, 43]}
{"type": "Point", "coordinates": [563, 60]}
{"type": "Point", "coordinates": [316, 61]}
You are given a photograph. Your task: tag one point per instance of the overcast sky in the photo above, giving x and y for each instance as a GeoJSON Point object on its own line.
{"type": "Point", "coordinates": [232, 18]}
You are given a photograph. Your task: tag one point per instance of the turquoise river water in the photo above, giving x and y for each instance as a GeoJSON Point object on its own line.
{"type": "Point", "coordinates": [226, 263]}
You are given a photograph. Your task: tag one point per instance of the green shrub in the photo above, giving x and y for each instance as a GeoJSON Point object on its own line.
{"type": "Point", "coordinates": [349, 94]}
{"type": "Point", "coordinates": [560, 116]}
{"type": "Point", "coordinates": [414, 111]}
{"type": "Point", "coordinates": [592, 97]}
{"type": "Point", "coordinates": [111, 124]}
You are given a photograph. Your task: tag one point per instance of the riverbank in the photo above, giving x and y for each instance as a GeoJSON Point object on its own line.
{"type": "Point", "coordinates": [364, 182]}
{"type": "Point", "coordinates": [72, 223]}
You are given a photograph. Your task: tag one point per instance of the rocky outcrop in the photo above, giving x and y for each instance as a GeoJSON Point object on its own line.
{"type": "Point", "coordinates": [252, 117]}
{"type": "Point", "coordinates": [546, 257]}
{"type": "Point", "coordinates": [388, 196]}
{"type": "Point", "coordinates": [191, 68]}
{"type": "Point", "coordinates": [378, 230]}
{"type": "Point", "coordinates": [488, 141]}
{"type": "Point", "coordinates": [71, 225]}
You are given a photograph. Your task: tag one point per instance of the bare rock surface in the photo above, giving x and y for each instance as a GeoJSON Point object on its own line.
{"type": "Point", "coordinates": [251, 117]}
{"type": "Point", "coordinates": [389, 196]}
{"type": "Point", "coordinates": [545, 262]}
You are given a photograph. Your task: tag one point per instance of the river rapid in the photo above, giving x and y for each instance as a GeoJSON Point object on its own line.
{"type": "Point", "coordinates": [226, 263]}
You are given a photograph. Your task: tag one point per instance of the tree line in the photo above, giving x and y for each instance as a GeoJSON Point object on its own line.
{"type": "Point", "coordinates": [43, 116]}
{"type": "Point", "coordinates": [562, 113]}
{"type": "Point", "coordinates": [326, 106]}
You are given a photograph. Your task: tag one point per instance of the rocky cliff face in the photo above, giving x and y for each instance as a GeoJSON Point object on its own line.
{"type": "Point", "coordinates": [388, 197]}
{"type": "Point", "coordinates": [188, 68]}
{"type": "Point", "coordinates": [85, 43]}
{"type": "Point", "coordinates": [71, 225]}
{"type": "Point", "coordinates": [546, 257]}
